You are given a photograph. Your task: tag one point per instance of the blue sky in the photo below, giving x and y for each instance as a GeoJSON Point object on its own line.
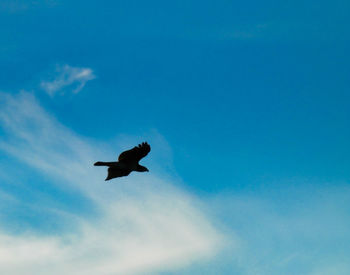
{"type": "Point", "coordinates": [245, 105]}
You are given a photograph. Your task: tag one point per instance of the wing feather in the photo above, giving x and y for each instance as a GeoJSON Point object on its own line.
{"type": "Point", "coordinates": [116, 173]}
{"type": "Point", "coordinates": [135, 154]}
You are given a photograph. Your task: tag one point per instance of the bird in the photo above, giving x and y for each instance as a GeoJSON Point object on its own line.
{"type": "Point", "coordinates": [128, 161]}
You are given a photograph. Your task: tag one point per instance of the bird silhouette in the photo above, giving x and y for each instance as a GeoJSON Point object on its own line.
{"type": "Point", "coordinates": [128, 161]}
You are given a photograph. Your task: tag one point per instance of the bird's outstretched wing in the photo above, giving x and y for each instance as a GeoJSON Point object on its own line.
{"type": "Point", "coordinates": [116, 173]}
{"type": "Point", "coordinates": [136, 153]}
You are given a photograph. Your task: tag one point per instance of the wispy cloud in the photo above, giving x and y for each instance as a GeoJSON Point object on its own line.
{"type": "Point", "coordinates": [144, 224]}
{"type": "Point", "coordinates": [67, 76]}
{"type": "Point", "coordinates": [293, 228]}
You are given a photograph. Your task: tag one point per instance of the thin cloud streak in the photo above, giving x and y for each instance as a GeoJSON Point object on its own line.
{"type": "Point", "coordinates": [67, 76]}
{"type": "Point", "coordinates": [145, 224]}
{"type": "Point", "coordinates": [294, 228]}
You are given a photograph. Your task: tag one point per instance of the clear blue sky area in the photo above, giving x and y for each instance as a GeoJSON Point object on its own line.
{"type": "Point", "coordinates": [251, 99]}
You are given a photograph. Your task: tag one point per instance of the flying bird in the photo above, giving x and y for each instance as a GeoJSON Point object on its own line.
{"type": "Point", "coordinates": [128, 161]}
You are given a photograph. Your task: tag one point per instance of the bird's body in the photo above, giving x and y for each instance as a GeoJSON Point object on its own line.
{"type": "Point", "coordinates": [128, 161]}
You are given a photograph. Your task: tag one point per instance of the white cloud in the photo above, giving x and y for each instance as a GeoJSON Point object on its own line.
{"type": "Point", "coordinates": [145, 224]}
{"type": "Point", "coordinates": [68, 76]}
{"type": "Point", "coordinates": [293, 228]}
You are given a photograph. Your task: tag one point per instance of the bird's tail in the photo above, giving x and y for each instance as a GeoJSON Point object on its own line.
{"type": "Point", "coordinates": [102, 163]}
